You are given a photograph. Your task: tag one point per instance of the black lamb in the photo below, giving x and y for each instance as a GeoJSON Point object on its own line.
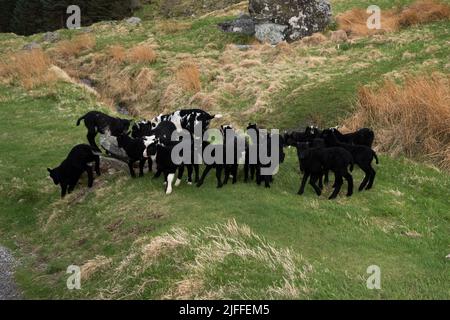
{"type": "Point", "coordinates": [69, 172]}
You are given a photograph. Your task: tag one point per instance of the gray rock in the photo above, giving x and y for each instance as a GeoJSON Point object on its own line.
{"type": "Point", "coordinates": [302, 17]}
{"type": "Point", "coordinates": [244, 24]}
{"type": "Point", "coordinates": [270, 32]}
{"type": "Point", "coordinates": [109, 143]}
{"type": "Point", "coordinates": [8, 287]}
{"type": "Point", "coordinates": [51, 37]}
{"type": "Point", "coordinates": [134, 21]}
{"type": "Point", "coordinates": [31, 46]}
{"type": "Point", "coordinates": [243, 47]}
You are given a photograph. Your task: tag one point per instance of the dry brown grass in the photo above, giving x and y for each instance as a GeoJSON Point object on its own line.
{"type": "Point", "coordinates": [188, 76]}
{"type": "Point", "coordinates": [68, 48]}
{"type": "Point", "coordinates": [411, 119]}
{"type": "Point", "coordinates": [424, 11]}
{"type": "Point", "coordinates": [92, 266]}
{"type": "Point", "coordinates": [144, 81]}
{"type": "Point", "coordinates": [29, 68]}
{"type": "Point", "coordinates": [117, 53]}
{"type": "Point", "coordinates": [172, 26]}
{"type": "Point", "coordinates": [354, 21]}
{"type": "Point", "coordinates": [142, 54]}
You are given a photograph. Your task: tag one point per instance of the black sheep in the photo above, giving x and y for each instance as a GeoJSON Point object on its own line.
{"type": "Point", "coordinates": [315, 161]}
{"type": "Point", "coordinates": [263, 140]}
{"type": "Point", "coordinates": [364, 137]}
{"type": "Point", "coordinates": [69, 172]}
{"type": "Point", "coordinates": [362, 156]}
{"type": "Point", "coordinates": [142, 129]}
{"type": "Point", "coordinates": [98, 122]}
{"type": "Point", "coordinates": [136, 151]}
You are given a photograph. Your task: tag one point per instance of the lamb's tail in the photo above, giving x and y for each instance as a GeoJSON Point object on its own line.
{"type": "Point", "coordinates": [376, 157]}
{"type": "Point", "coordinates": [79, 120]}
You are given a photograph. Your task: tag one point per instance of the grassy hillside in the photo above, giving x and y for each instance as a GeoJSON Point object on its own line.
{"type": "Point", "coordinates": [242, 241]}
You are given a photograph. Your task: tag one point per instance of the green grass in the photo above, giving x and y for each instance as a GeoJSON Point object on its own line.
{"type": "Point", "coordinates": [339, 239]}
{"type": "Point", "coordinates": [402, 225]}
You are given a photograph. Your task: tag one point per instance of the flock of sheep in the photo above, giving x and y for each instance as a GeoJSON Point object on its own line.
{"type": "Point", "coordinates": [261, 152]}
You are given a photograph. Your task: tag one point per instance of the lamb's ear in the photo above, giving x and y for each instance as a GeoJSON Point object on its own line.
{"type": "Point", "coordinates": [49, 170]}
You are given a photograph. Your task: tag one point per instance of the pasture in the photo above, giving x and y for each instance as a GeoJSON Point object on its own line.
{"type": "Point", "coordinates": [242, 241]}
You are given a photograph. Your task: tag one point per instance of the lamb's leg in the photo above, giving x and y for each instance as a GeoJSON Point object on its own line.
{"type": "Point", "coordinates": [267, 181]}
{"type": "Point", "coordinates": [303, 184]}
{"type": "Point", "coordinates": [141, 167]}
{"type": "Point", "coordinates": [252, 172]}
{"type": "Point", "coordinates": [150, 165]}
{"type": "Point", "coordinates": [180, 175]}
{"type": "Point", "coordinates": [170, 178]}
{"type": "Point", "coordinates": [63, 190]}
{"type": "Point", "coordinates": [190, 172]}
{"type": "Point", "coordinates": [367, 175]}
{"type": "Point", "coordinates": [349, 179]}
{"type": "Point", "coordinates": [327, 178]}
{"type": "Point", "coordinates": [197, 172]}
{"type": "Point", "coordinates": [321, 182]}
{"type": "Point", "coordinates": [313, 183]}
{"type": "Point", "coordinates": [338, 184]}
{"type": "Point", "coordinates": [205, 173]}
{"type": "Point", "coordinates": [372, 178]}
{"type": "Point", "coordinates": [97, 166]}
{"type": "Point", "coordinates": [92, 133]}
{"type": "Point", "coordinates": [219, 169]}
{"type": "Point", "coordinates": [246, 171]}
{"type": "Point", "coordinates": [227, 173]}
{"type": "Point", "coordinates": [130, 166]}
{"type": "Point", "coordinates": [90, 174]}
{"type": "Point", "coordinates": [258, 175]}
{"type": "Point", "coordinates": [235, 173]}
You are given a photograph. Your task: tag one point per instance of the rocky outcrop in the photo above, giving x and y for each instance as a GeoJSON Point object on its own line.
{"type": "Point", "coordinates": [284, 20]}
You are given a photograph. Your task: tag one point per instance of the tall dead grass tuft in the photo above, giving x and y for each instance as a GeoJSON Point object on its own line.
{"type": "Point", "coordinates": [354, 21]}
{"type": "Point", "coordinates": [68, 48]}
{"type": "Point", "coordinates": [29, 68]}
{"type": "Point", "coordinates": [142, 54]}
{"type": "Point", "coordinates": [93, 266]}
{"type": "Point", "coordinates": [117, 53]}
{"type": "Point", "coordinates": [411, 119]}
{"type": "Point", "coordinates": [144, 81]}
{"type": "Point", "coordinates": [188, 76]}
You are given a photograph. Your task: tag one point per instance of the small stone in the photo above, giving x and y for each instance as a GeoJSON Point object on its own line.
{"type": "Point", "coordinates": [134, 21]}
{"type": "Point", "coordinates": [51, 37]}
{"type": "Point", "coordinates": [31, 46]}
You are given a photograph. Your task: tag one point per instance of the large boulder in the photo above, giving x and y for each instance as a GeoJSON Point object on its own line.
{"type": "Point", "coordinates": [275, 21]}
{"type": "Point", "coordinates": [270, 32]}
{"type": "Point", "coordinates": [302, 17]}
